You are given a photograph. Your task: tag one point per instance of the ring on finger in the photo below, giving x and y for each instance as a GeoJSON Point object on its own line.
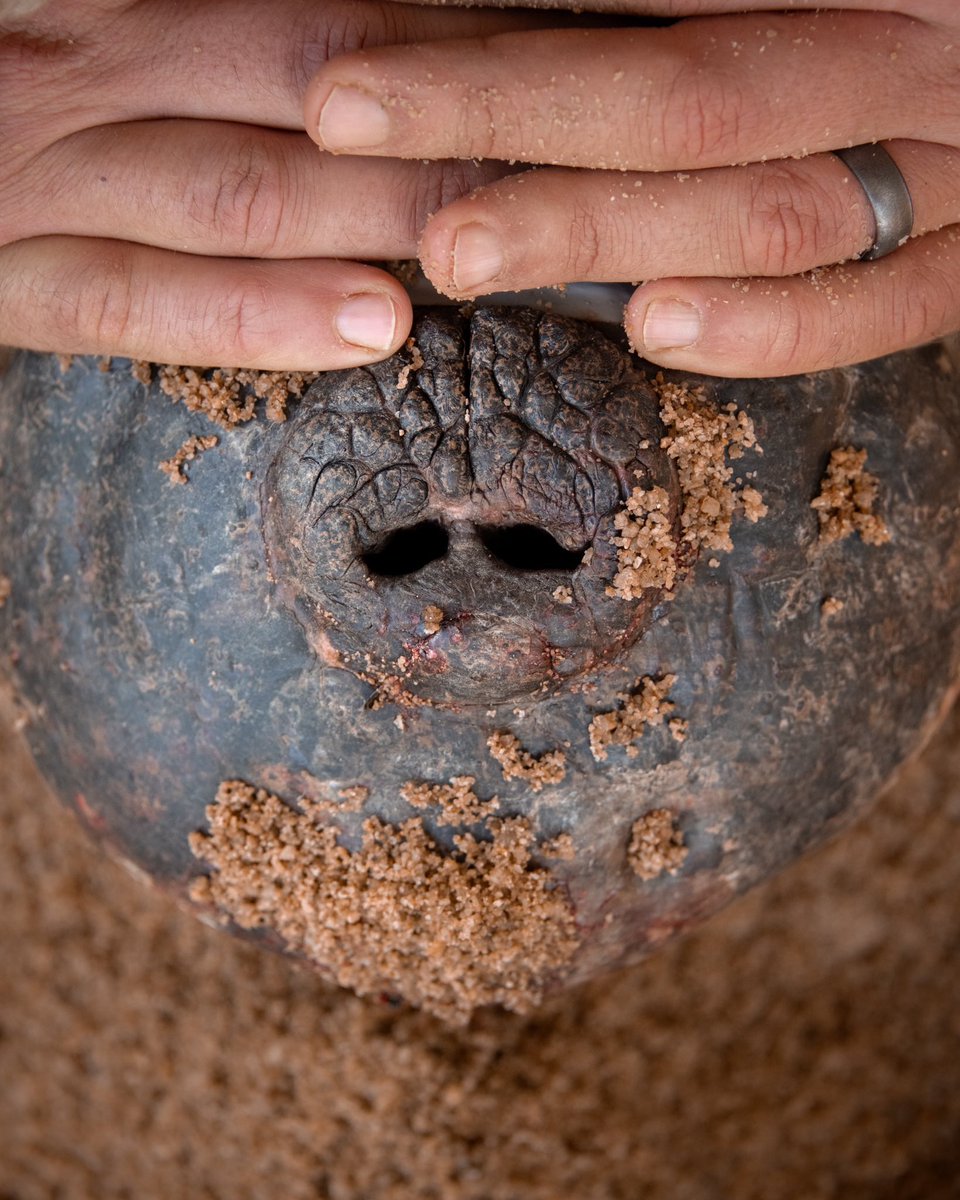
{"type": "Point", "coordinates": [886, 192]}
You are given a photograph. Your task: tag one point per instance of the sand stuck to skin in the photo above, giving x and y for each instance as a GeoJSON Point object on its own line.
{"type": "Point", "coordinates": [804, 1043]}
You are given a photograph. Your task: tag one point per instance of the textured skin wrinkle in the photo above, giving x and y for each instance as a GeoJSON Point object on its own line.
{"type": "Point", "coordinates": [509, 418]}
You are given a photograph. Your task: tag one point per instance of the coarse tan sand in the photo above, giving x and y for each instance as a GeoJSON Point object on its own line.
{"type": "Point", "coordinates": [804, 1044]}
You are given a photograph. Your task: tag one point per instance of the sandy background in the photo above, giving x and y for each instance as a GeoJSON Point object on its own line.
{"type": "Point", "coordinates": [805, 1044]}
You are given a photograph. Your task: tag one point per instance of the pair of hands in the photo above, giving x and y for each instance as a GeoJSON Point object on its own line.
{"type": "Point", "coordinates": [158, 198]}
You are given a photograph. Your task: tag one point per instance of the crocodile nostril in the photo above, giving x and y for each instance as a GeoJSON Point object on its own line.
{"type": "Point", "coordinates": [528, 548]}
{"type": "Point", "coordinates": [405, 551]}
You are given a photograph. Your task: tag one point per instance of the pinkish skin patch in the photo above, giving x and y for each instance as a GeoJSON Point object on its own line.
{"type": "Point", "coordinates": [88, 815]}
{"type": "Point", "coordinates": [426, 659]}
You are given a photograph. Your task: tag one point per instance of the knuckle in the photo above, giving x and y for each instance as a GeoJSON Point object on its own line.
{"type": "Point", "coordinates": [109, 307]}
{"type": "Point", "coordinates": [487, 125]}
{"type": "Point", "coordinates": [703, 118]}
{"type": "Point", "coordinates": [241, 319]}
{"type": "Point", "coordinates": [934, 302]}
{"type": "Point", "coordinates": [242, 205]}
{"type": "Point", "coordinates": [92, 305]}
{"type": "Point", "coordinates": [333, 29]}
{"type": "Point", "coordinates": [435, 186]}
{"type": "Point", "coordinates": [789, 338]}
{"type": "Point", "coordinates": [515, 131]}
{"type": "Point", "coordinates": [345, 27]}
{"type": "Point", "coordinates": [785, 228]}
{"type": "Point", "coordinates": [605, 242]}
{"type": "Point", "coordinates": [585, 243]}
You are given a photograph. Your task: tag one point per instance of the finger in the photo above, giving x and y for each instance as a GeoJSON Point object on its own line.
{"type": "Point", "coordinates": [216, 188]}
{"type": "Point", "coordinates": [932, 10]}
{"type": "Point", "coordinates": [554, 226]}
{"type": "Point", "coordinates": [92, 296]}
{"type": "Point", "coordinates": [237, 60]}
{"type": "Point", "coordinates": [700, 93]}
{"type": "Point", "coordinates": [833, 317]}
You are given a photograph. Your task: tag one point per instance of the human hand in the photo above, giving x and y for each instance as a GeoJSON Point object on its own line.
{"type": "Point", "coordinates": [695, 156]}
{"type": "Point", "coordinates": [158, 197]}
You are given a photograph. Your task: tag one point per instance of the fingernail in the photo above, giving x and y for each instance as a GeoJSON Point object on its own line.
{"type": "Point", "coordinates": [670, 325]}
{"type": "Point", "coordinates": [477, 257]}
{"type": "Point", "coordinates": [368, 320]}
{"type": "Point", "coordinates": [351, 119]}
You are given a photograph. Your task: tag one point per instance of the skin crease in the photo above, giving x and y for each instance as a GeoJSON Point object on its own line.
{"type": "Point", "coordinates": [159, 198]}
{"type": "Point", "coordinates": [694, 156]}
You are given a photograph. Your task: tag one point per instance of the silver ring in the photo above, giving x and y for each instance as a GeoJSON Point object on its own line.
{"type": "Point", "coordinates": [887, 193]}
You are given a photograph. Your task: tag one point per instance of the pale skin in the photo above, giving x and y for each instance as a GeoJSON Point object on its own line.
{"type": "Point", "coordinates": [158, 197]}
{"type": "Point", "coordinates": [693, 159]}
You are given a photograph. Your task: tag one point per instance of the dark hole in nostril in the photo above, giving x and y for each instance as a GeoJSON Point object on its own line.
{"type": "Point", "coordinates": [407, 550]}
{"type": "Point", "coordinates": [528, 548]}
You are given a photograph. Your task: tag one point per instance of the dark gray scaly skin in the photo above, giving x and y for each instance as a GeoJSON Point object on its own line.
{"type": "Point", "coordinates": [164, 639]}
{"type": "Point", "coordinates": [536, 422]}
